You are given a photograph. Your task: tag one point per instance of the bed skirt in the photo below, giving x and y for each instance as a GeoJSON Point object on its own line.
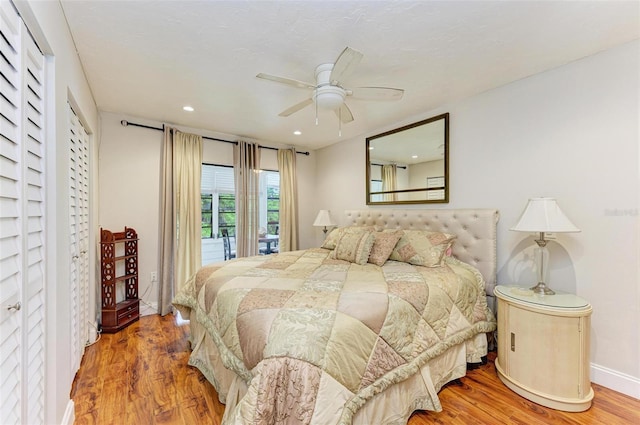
{"type": "Point", "coordinates": [393, 406]}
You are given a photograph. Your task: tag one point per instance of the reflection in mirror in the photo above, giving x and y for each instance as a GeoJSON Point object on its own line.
{"type": "Point", "coordinates": [409, 165]}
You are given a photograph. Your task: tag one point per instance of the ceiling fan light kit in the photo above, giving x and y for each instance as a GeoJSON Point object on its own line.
{"type": "Point", "coordinates": [325, 95]}
{"type": "Point", "coordinates": [328, 92]}
{"type": "Point", "coordinates": [329, 97]}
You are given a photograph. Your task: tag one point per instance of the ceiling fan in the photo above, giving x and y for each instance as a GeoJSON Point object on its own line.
{"type": "Point", "coordinates": [328, 91]}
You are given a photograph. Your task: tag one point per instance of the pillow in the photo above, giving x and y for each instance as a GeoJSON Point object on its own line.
{"type": "Point", "coordinates": [422, 247]}
{"type": "Point", "coordinates": [330, 241]}
{"type": "Point", "coordinates": [354, 245]}
{"type": "Point", "coordinates": [383, 245]}
{"type": "Point", "coordinates": [448, 252]}
{"type": "Point", "coordinates": [334, 235]}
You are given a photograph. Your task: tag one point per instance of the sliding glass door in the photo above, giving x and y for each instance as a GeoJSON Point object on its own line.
{"type": "Point", "coordinates": [219, 210]}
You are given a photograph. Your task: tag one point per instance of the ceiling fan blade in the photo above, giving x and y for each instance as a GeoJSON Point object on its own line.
{"type": "Point", "coordinates": [345, 65]}
{"type": "Point", "coordinates": [344, 113]}
{"type": "Point", "coordinates": [287, 81]}
{"type": "Point", "coordinates": [376, 93]}
{"type": "Point", "coordinates": [296, 107]}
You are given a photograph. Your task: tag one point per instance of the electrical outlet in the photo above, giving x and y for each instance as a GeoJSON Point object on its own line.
{"type": "Point", "coordinates": [154, 277]}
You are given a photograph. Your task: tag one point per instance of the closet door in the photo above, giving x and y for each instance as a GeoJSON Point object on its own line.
{"type": "Point", "coordinates": [79, 236]}
{"type": "Point", "coordinates": [22, 219]}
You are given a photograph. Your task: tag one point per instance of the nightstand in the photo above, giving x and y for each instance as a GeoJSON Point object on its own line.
{"type": "Point", "coordinates": [543, 347]}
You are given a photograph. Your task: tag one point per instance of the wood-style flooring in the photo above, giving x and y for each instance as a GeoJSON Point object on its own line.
{"type": "Point", "coordinates": [140, 376]}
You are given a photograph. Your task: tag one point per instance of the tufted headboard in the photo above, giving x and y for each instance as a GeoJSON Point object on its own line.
{"type": "Point", "coordinates": [475, 230]}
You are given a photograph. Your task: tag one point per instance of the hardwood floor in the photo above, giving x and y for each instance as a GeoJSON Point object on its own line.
{"type": "Point", "coordinates": [140, 376]}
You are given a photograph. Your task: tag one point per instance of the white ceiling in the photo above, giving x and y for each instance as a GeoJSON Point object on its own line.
{"type": "Point", "coordinates": [150, 58]}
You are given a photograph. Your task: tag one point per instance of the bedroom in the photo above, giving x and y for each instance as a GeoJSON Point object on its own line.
{"type": "Point", "coordinates": [569, 132]}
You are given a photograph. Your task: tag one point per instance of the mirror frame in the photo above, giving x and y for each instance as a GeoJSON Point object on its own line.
{"type": "Point", "coordinates": [444, 116]}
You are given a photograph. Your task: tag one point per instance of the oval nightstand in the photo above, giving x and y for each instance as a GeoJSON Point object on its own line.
{"type": "Point", "coordinates": [543, 347]}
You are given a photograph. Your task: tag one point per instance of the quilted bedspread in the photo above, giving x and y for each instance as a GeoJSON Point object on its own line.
{"type": "Point", "coordinates": [298, 325]}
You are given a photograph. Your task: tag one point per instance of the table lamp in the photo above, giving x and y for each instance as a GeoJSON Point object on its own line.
{"type": "Point", "coordinates": [543, 215]}
{"type": "Point", "coordinates": [324, 219]}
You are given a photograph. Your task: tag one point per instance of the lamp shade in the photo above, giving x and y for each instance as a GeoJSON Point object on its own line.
{"type": "Point", "coordinates": [544, 215]}
{"type": "Point", "coordinates": [324, 219]}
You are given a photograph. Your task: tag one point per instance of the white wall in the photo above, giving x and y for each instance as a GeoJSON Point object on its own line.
{"type": "Point", "coordinates": [569, 133]}
{"type": "Point", "coordinates": [130, 179]}
{"type": "Point", "coordinates": [66, 80]}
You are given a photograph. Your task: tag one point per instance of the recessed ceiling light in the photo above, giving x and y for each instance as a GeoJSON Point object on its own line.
{"type": "Point", "coordinates": [414, 156]}
{"type": "Point", "coordinates": [188, 108]}
{"type": "Point", "coordinates": [371, 148]}
{"type": "Point", "coordinates": [297, 132]}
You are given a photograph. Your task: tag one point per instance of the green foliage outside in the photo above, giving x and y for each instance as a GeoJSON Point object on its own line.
{"type": "Point", "coordinates": [227, 213]}
{"type": "Point", "coordinates": [206, 202]}
{"type": "Point", "coordinates": [273, 209]}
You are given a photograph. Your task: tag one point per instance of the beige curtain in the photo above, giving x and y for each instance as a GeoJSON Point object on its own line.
{"type": "Point", "coordinates": [288, 200]}
{"type": "Point", "coordinates": [180, 213]}
{"type": "Point", "coordinates": [389, 181]}
{"type": "Point", "coordinates": [246, 167]}
{"type": "Point", "coordinates": [167, 227]}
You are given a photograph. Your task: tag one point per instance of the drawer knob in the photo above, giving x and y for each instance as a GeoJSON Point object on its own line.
{"type": "Point", "coordinates": [16, 307]}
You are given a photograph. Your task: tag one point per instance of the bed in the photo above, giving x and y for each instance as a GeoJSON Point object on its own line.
{"type": "Point", "coordinates": [323, 336]}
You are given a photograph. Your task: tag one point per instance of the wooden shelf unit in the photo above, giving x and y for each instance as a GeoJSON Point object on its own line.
{"type": "Point", "coordinates": [115, 269]}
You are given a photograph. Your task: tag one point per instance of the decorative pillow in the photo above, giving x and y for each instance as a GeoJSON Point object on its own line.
{"type": "Point", "coordinates": [422, 247]}
{"type": "Point", "coordinates": [449, 251]}
{"type": "Point", "coordinates": [354, 245]}
{"type": "Point", "coordinates": [383, 245]}
{"type": "Point", "coordinates": [331, 240]}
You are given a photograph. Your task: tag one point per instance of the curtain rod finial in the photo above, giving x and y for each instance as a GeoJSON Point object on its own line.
{"type": "Point", "coordinates": [124, 123]}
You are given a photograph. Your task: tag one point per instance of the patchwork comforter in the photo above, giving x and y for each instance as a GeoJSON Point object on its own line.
{"type": "Point", "coordinates": [299, 327]}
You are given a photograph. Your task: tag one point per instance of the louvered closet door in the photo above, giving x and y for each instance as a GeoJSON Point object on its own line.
{"type": "Point", "coordinates": [22, 221]}
{"type": "Point", "coordinates": [79, 235]}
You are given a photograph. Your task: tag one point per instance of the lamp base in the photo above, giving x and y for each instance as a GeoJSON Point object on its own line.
{"type": "Point", "coordinates": [542, 289]}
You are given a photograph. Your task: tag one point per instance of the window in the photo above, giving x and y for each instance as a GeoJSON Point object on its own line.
{"type": "Point", "coordinates": [218, 206]}
{"type": "Point", "coordinates": [227, 213]}
{"type": "Point", "coordinates": [376, 186]}
{"type": "Point", "coordinates": [217, 200]}
{"type": "Point", "coordinates": [207, 215]}
{"type": "Point", "coordinates": [272, 202]}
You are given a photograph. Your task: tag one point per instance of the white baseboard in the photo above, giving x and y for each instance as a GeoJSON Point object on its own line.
{"type": "Point", "coordinates": [69, 414]}
{"type": "Point", "coordinates": [93, 333]}
{"type": "Point", "coordinates": [612, 379]}
{"type": "Point", "coordinates": [147, 309]}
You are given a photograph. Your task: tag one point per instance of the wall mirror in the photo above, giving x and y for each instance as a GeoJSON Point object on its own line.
{"type": "Point", "coordinates": [409, 165]}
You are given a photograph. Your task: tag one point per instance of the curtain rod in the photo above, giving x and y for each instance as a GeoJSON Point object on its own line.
{"type": "Point", "coordinates": [380, 165]}
{"type": "Point", "coordinates": [126, 123]}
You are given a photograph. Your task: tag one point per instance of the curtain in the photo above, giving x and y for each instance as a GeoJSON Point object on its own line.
{"type": "Point", "coordinates": [187, 162]}
{"type": "Point", "coordinates": [167, 227]}
{"type": "Point", "coordinates": [180, 213]}
{"type": "Point", "coordinates": [246, 167]}
{"type": "Point", "coordinates": [288, 200]}
{"type": "Point", "coordinates": [389, 181]}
